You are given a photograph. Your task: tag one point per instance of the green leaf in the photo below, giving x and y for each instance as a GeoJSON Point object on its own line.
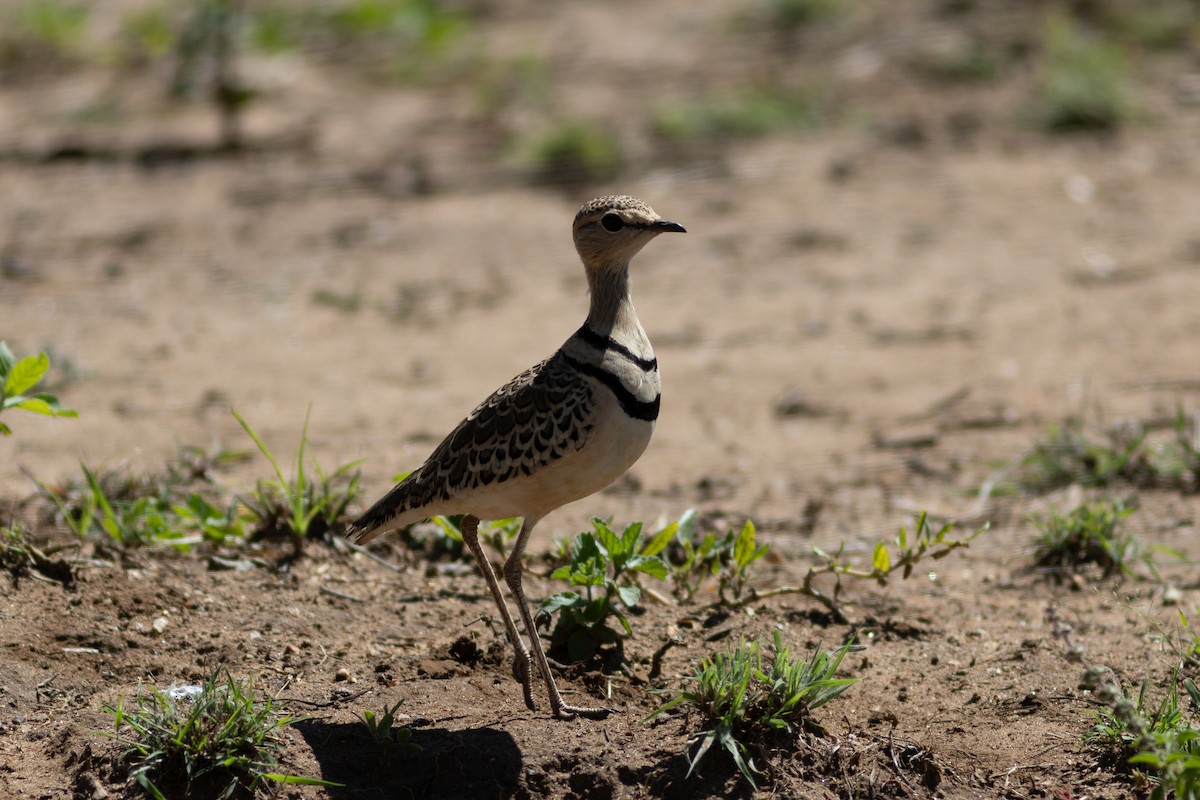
{"type": "Point", "coordinates": [26, 373]}
{"type": "Point", "coordinates": [447, 527]}
{"type": "Point", "coordinates": [34, 404]}
{"type": "Point", "coordinates": [150, 787]}
{"type": "Point", "coordinates": [687, 527]}
{"type": "Point", "coordinates": [606, 538]}
{"type": "Point", "coordinates": [880, 560]}
{"type": "Point", "coordinates": [262, 446]}
{"type": "Point", "coordinates": [559, 601]}
{"type": "Point", "coordinates": [5, 430]}
{"type": "Point", "coordinates": [58, 410]}
{"type": "Point", "coordinates": [630, 536]}
{"type": "Point", "coordinates": [705, 743]}
{"type": "Point", "coordinates": [595, 611]}
{"type": "Point", "coordinates": [660, 540]}
{"type": "Point", "coordinates": [630, 595]}
{"type": "Point", "coordinates": [650, 565]}
{"type": "Point", "coordinates": [7, 360]}
{"type": "Point", "coordinates": [743, 547]}
{"type": "Point", "coordinates": [624, 624]}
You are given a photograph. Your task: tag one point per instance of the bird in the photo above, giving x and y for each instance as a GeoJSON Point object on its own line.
{"type": "Point", "coordinates": [558, 432]}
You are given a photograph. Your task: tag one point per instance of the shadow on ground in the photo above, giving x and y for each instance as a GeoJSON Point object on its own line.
{"type": "Point", "coordinates": [473, 763]}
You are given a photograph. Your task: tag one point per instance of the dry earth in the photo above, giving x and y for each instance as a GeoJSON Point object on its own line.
{"type": "Point", "coordinates": [925, 301]}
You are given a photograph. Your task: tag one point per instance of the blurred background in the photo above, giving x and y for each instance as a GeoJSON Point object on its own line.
{"type": "Point", "coordinates": [919, 230]}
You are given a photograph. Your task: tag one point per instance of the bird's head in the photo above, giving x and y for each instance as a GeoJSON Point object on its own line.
{"type": "Point", "coordinates": [611, 230]}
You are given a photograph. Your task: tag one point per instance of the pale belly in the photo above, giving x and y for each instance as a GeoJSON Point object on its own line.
{"type": "Point", "coordinates": [613, 448]}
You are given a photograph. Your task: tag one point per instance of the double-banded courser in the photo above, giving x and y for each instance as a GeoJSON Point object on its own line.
{"type": "Point", "coordinates": [558, 432]}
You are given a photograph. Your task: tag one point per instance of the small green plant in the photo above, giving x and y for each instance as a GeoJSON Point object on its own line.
{"type": "Point", "coordinates": [128, 512]}
{"type": "Point", "coordinates": [524, 81]}
{"type": "Point", "coordinates": [220, 743]}
{"type": "Point", "coordinates": [604, 564]}
{"type": "Point", "coordinates": [1125, 453]}
{"type": "Point", "coordinates": [747, 703]}
{"type": "Point", "coordinates": [16, 553]}
{"type": "Point", "coordinates": [384, 731]}
{"type": "Point", "coordinates": [1092, 533]}
{"type": "Point", "coordinates": [429, 24]}
{"type": "Point", "coordinates": [1178, 461]}
{"type": "Point", "coordinates": [399, 40]}
{"type": "Point", "coordinates": [207, 48]}
{"type": "Point", "coordinates": [925, 542]}
{"type": "Point", "coordinates": [692, 561]}
{"type": "Point", "coordinates": [275, 29]}
{"type": "Point", "coordinates": [298, 506]}
{"type": "Point", "coordinates": [746, 114]}
{"type": "Point", "coordinates": [20, 558]}
{"type": "Point", "coordinates": [1070, 455]}
{"type": "Point", "coordinates": [789, 16]}
{"type": "Point", "coordinates": [40, 33]}
{"type": "Point", "coordinates": [1163, 740]}
{"type": "Point", "coordinates": [156, 508]}
{"type": "Point", "coordinates": [19, 377]}
{"type": "Point", "coordinates": [128, 524]}
{"type": "Point", "coordinates": [146, 34]}
{"type": "Point", "coordinates": [1187, 645]}
{"type": "Point", "coordinates": [1084, 83]}
{"type": "Point", "coordinates": [196, 513]}
{"type": "Point", "coordinates": [572, 152]}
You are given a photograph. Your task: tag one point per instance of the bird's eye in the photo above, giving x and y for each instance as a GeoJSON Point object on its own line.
{"type": "Point", "coordinates": [612, 223]}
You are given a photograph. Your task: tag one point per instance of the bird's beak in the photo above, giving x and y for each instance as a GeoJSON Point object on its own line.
{"type": "Point", "coordinates": [666, 226]}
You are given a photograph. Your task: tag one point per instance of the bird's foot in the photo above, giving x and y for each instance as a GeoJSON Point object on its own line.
{"type": "Point", "coordinates": [566, 712]}
{"type": "Point", "coordinates": [522, 669]}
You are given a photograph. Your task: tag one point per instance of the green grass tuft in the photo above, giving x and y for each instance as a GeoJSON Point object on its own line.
{"type": "Point", "coordinates": [572, 152]}
{"type": "Point", "coordinates": [692, 560]}
{"type": "Point", "coordinates": [298, 506]}
{"type": "Point", "coordinates": [385, 732]}
{"type": "Point", "coordinates": [218, 743]}
{"type": "Point", "coordinates": [1093, 533]}
{"type": "Point", "coordinates": [748, 702]}
{"type": "Point", "coordinates": [746, 114]}
{"type": "Point", "coordinates": [1084, 83]}
{"type": "Point", "coordinates": [1160, 744]}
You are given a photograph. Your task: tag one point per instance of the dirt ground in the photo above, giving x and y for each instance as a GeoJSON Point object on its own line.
{"type": "Point", "coordinates": [864, 320]}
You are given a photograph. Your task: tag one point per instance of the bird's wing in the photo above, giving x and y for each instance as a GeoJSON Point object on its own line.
{"type": "Point", "coordinates": [536, 418]}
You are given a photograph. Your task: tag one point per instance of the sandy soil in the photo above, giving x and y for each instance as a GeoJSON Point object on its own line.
{"type": "Point", "coordinates": [926, 305]}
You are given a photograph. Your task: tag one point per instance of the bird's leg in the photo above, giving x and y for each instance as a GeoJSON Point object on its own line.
{"type": "Point", "coordinates": [522, 665]}
{"type": "Point", "coordinates": [512, 576]}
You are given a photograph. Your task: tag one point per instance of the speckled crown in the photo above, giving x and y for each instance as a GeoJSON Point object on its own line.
{"type": "Point", "coordinates": [615, 202]}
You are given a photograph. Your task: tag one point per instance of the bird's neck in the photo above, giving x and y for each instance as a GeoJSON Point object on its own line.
{"type": "Point", "coordinates": [611, 311]}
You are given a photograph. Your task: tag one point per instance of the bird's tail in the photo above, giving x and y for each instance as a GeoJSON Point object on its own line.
{"type": "Point", "coordinates": [386, 513]}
